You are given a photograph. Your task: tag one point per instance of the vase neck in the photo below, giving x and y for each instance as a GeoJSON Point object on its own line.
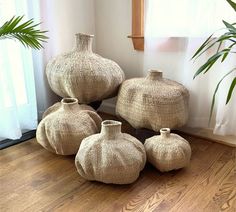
{"type": "Point", "coordinates": [154, 75]}
{"type": "Point", "coordinates": [165, 132]}
{"type": "Point", "coordinates": [84, 42]}
{"type": "Point", "coordinates": [111, 129]}
{"type": "Point", "coordinates": [69, 103]}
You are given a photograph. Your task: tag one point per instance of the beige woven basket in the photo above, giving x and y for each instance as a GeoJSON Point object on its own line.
{"type": "Point", "coordinates": [83, 74]}
{"type": "Point", "coordinates": [153, 102]}
{"type": "Point", "coordinates": [168, 151]}
{"type": "Point", "coordinates": [65, 125]}
{"type": "Point", "coordinates": [111, 156]}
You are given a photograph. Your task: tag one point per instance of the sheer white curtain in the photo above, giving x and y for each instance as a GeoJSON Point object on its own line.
{"type": "Point", "coordinates": [18, 112]}
{"type": "Point", "coordinates": [173, 32]}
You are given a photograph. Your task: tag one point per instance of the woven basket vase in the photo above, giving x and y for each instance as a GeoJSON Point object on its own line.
{"type": "Point", "coordinates": [167, 151]}
{"type": "Point", "coordinates": [153, 102]}
{"type": "Point", "coordinates": [65, 125]}
{"type": "Point", "coordinates": [83, 74]}
{"type": "Point", "coordinates": [111, 156]}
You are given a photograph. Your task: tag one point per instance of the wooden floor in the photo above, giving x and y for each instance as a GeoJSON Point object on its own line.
{"type": "Point", "coordinates": [33, 179]}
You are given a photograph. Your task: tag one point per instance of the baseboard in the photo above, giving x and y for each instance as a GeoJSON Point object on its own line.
{"type": "Point", "coordinates": [26, 136]}
{"type": "Point", "coordinates": [228, 140]}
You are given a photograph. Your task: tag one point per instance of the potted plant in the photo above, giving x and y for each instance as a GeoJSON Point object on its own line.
{"type": "Point", "coordinates": [220, 54]}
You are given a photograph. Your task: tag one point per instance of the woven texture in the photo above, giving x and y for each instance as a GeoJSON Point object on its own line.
{"type": "Point", "coordinates": [65, 125]}
{"type": "Point", "coordinates": [111, 156]}
{"type": "Point", "coordinates": [83, 74]}
{"type": "Point", "coordinates": [168, 151]}
{"type": "Point", "coordinates": [153, 102]}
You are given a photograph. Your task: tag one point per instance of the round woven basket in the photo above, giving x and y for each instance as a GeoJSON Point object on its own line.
{"type": "Point", "coordinates": [168, 151]}
{"type": "Point", "coordinates": [83, 74]}
{"type": "Point", "coordinates": [153, 102]}
{"type": "Point", "coordinates": [111, 156]}
{"type": "Point", "coordinates": [65, 125]}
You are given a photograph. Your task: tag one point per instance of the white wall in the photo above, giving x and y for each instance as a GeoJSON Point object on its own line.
{"type": "Point", "coordinates": [113, 25]}
{"type": "Point", "coordinates": [113, 22]}
{"type": "Point", "coordinates": [63, 19]}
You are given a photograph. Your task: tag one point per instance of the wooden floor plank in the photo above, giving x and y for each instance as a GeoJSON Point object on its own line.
{"type": "Point", "coordinates": [170, 189]}
{"type": "Point", "coordinates": [225, 194]}
{"type": "Point", "coordinates": [205, 185]}
{"type": "Point", "coordinates": [33, 179]}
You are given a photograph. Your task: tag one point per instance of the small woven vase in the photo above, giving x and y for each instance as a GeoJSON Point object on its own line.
{"type": "Point", "coordinates": [65, 125]}
{"type": "Point", "coordinates": [168, 151]}
{"type": "Point", "coordinates": [111, 156]}
{"type": "Point", "coordinates": [153, 102]}
{"type": "Point", "coordinates": [83, 74]}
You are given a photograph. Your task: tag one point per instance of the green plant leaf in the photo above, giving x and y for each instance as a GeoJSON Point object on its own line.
{"type": "Point", "coordinates": [202, 46]}
{"type": "Point", "coordinates": [24, 32]}
{"type": "Point", "coordinates": [210, 65]}
{"type": "Point", "coordinates": [218, 48]}
{"type": "Point", "coordinates": [232, 4]}
{"type": "Point", "coordinates": [232, 86]}
{"type": "Point", "coordinates": [226, 54]}
{"type": "Point", "coordinates": [210, 62]}
{"type": "Point", "coordinates": [230, 27]}
{"type": "Point", "coordinates": [214, 95]}
{"type": "Point", "coordinates": [208, 46]}
{"type": "Point", "coordinates": [213, 41]}
{"type": "Point", "coordinates": [225, 37]}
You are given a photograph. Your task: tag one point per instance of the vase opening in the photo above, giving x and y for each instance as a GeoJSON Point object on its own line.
{"type": "Point", "coordinates": [84, 42]}
{"type": "Point", "coordinates": [68, 103]}
{"type": "Point", "coordinates": [165, 132]}
{"type": "Point", "coordinates": [110, 128]}
{"type": "Point", "coordinates": [154, 74]}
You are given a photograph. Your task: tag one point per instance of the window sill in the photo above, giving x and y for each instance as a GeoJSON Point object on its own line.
{"type": "Point", "coordinates": [138, 42]}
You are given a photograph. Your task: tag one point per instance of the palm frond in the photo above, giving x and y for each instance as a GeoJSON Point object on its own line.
{"type": "Point", "coordinates": [211, 61]}
{"type": "Point", "coordinates": [216, 89]}
{"type": "Point", "coordinates": [231, 88]}
{"type": "Point", "coordinates": [25, 32]}
{"type": "Point", "coordinates": [232, 4]}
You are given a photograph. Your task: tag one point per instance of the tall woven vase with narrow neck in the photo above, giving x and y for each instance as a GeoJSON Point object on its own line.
{"type": "Point", "coordinates": [111, 156]}
{"type": "Point", "coordinates": [83, 74]}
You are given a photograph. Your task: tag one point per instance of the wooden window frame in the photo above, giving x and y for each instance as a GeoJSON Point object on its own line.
{"type": "Point", "coordinates": [137, 24]}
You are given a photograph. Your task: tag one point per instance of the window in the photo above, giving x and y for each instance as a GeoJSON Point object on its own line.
{"type": "Point", "coordinates": [186, 18]}
{"type": "Point", "coordinates": [183, 18]}
{"type": "Point", "coordinates": [138, 24]}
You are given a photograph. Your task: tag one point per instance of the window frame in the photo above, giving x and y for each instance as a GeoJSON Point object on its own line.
{"type": "Point", "coordinates": [137, 24]}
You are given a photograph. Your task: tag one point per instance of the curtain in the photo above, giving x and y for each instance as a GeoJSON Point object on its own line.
{"type": "Point", "coordinates": [174, 30]}
{"type": "Point", "coordinates": [18, 111]}
{"type": "Point", "coordinates": [186, 18]}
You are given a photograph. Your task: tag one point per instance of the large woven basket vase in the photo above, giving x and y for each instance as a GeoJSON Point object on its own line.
{"type": "Point", "coordinates": [65, 125]}
{"type": "Point", "coordinates": [168, 151]}
{"type": "Point", "coordinates": [83, 74]}
{"type": "Point", "coordinates": [153, 102]}
{"type": "Point", "coordinates": [111, 156]}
